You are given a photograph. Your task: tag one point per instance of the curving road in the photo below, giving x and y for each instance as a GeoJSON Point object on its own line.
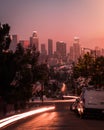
{"type": "Point", "coordinates": [59, 119]}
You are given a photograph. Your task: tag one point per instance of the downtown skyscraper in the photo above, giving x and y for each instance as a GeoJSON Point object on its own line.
{"type": "Point", "coordinates": [43, 50]}
{"type": "Point", "coordinates": [50, 47]}
{"type": "Point", "coordinates": [14, 42]}
{"type": "Point", "coordinates": [61, 49]}
{"type": "Point", "coordinates": [75, 50]}
{"type": "Point", "coordinates": [34, 41]}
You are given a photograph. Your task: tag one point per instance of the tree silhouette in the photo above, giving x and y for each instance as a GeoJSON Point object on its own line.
{"type": "Point", "coordinates": [4, 37]}
{"type": "Point", "coordinates": [7, 66]}
{"type": "Point", "coordinates": [92, 68]}
{"type": "Point", "coordinates": [98, 72]}
{"type": "Point", "coordinates": [18, 70]}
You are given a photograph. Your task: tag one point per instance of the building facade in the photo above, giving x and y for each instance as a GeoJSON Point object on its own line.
{"type": "Point", "coordinates": [61, 49]}
{"type": "Point", "coordinates": [14, 42]}
{"type": "Point", "coordinates": [75, 50]}
{"type": "Point", "coordinates": [50, 47]}
{"type": "Point", "coordinates": [34, 41]}
{"type": "Point", "coordinates": [43, 50]}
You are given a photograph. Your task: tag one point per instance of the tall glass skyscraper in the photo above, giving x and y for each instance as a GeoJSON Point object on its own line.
{"type": "Point", "coordinates": [61, 48]}
{"type": "Point", "coordinates": [50, 47]}
{"type": "Point", "coordinates": [34, 41]}
{"type": "Point", "coordinates": [76, 49]}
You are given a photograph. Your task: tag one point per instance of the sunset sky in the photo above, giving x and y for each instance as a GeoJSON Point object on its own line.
{"type": "Point", "coordinates": [56, 19]}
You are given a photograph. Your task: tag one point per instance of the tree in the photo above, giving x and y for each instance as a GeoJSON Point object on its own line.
{"type": "Point", "coordinates": [18, 70]}
{"type": "Point", "coordinates": [89, 70]}
{"type": "Point", "coordinates": [7, 73]}
{"type": "Point", "coordinates": [98, 72]}
{"type": "Point", "coordinates": [7, 64]}
{"type": "Point", "coordinates": [4, 37]}
{"type": "Point", "coordinates": [84, 67]}
{"type": "Point", "coordinates": [25, 60]}
{"type": "Point", "coordinates": [82, 72]}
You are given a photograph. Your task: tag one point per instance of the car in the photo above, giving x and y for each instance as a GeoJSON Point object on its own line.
{"type": "Point", "coordinates": [91, 102]}
{"type": "Point", "coordinates": [73, 106]}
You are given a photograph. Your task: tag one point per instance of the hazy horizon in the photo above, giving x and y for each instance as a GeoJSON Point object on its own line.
{"type": "Point", "coordinates": [60, 20]}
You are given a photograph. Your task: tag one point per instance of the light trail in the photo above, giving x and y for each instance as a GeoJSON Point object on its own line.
{"type": "Point", "coordinates": [14, 118]}
{"type": "Point", "coordinates": [74, 97]}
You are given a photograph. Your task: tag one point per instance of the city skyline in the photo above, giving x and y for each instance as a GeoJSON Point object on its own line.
{"type": "Point", "coordinates": [59, 20]}
{"type": "Point", "coordinates": [28, 42]}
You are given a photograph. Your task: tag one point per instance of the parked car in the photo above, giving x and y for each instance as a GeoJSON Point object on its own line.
{"type": "Point", "coordinates": [91, 102]}
{"type": "Point", "coordinates": [73, 106]}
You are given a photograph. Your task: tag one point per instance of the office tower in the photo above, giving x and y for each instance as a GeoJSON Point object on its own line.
{"type": "Point", "coordinates": [76, 49]}
{"type": "Point", "coordinates": [34, 41]}
{"type": "Point", "coordinates": [60, 49]}
{"type": "Point", "coordinates": [50, 47]}
{"type": "Point", "coordinates": [14, 42]}
{"type": "Point", "coordinates": [71, 53]}
{"type": "Point", "coordinates": [43, 54]}
{"type": "Point", "coordinates": [43, 49]}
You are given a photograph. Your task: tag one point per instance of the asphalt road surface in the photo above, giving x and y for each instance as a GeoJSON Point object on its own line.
{"type": "Point", "coordinates": [59, 119]}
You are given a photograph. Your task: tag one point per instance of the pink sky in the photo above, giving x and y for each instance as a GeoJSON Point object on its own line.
{"type": "Point", "coordinates": [56, 19]}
